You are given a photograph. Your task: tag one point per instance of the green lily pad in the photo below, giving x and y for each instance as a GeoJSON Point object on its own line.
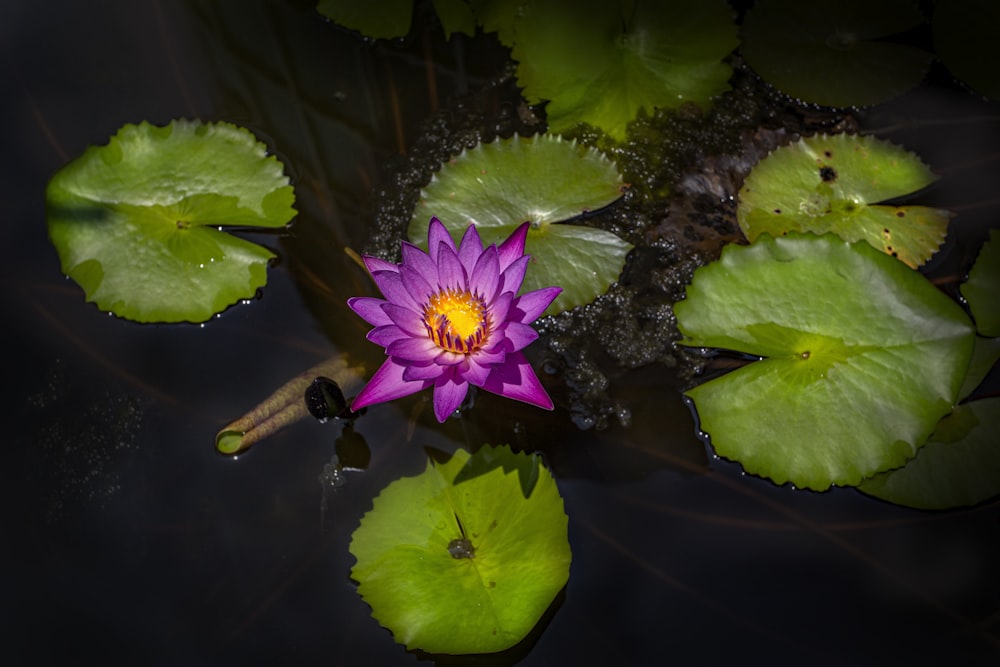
{"type": "Point", "coordinates": [542, 179]}
{"type": "Point", "coordinates": [964, 31]}
{"type": "Point", "coordinates": [984, 356]}
{"type": "Point", "coordinates": [959, 466]}
{"type": "Point", "coordinates": [386, 19]}
{"type": "Point", "coordinates": [831, 53]}
{"type": "Point", "coordinates": [862, 357]}
{"type": "Point", "coordinates": [458, 559]}
{"type": "Point", "coordinates": [982, 289]}
{"type": "Point", "coordinates": [137, 222]}
{"type": "Point", "coordinates": [600, 62]}
{"type": "Point", "coordinates": [833, 183]}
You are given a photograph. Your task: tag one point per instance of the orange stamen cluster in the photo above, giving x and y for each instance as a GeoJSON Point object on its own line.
{"type": "Point", "coordinates": [456, 320]}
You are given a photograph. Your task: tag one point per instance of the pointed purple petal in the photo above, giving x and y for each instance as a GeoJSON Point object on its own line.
{"type": "Point", "coordinates": [513, 248]}
{"type": "Point", "coordinates": [475, 372]}
{"type": "Point", "coordinates": [519, 335]}
{"type": "Point", "coordinates": [414, 283]}
{"type": "Point", "coordinates": [436, 235]}
{"type": "Point", "coordinates": [528, 307]}
{"type": "Point", "coordinates": [406, 319]}
{"type": "Point", "coordinates": [446, 358]}
{"type": "Point", "coordinates": [516, 379]}
{"type": "Point", "coordinates": [393, 289]}
{"type": "Point", "coordinates": [421, 262]}
{"type": "Point", "coordinates": [491, 357]}
{"type": "Point", "coordinates": [513, 276]}
{"type": "Point", "coordinates": [374, 264]}
{"type": "Point", "coordinates": [420, 350]}
{"type": "Point", "coordinates": [370, 310]}
{"type": "Point", "coordinates": [470, 249]}
{"type": "Point", "coordinates": [429, 372]}
{"type": "Point", "coordinates": [449, 392]}
{"type": "Point", "coordinates": [450, 270]}
{"type": "Point", "coordinates": [485, 277]}
{"type": "Point", "coordinates": [386, 335]}
{"type": "Point", "coordinates": [500, 309]}
{"type": "Point", "coordinates": [387, 384]}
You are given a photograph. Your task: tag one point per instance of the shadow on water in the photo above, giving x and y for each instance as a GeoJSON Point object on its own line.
{"type": "Point", "coordinates": [129, 541]}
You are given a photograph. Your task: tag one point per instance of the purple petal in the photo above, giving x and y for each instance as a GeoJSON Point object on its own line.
{"type": "Point", "coordinates": [474, 372]}
{"type": "Point", "coordinates": [420, 350]}
{"type": "Point", "coordinates": [450, 270]}
{"type": "Point", "coordinates": [429, 372]}
{"type": "Point", "coordinates": [416, 285]}
{"type": "Point", "coordinates": [512, 249]}
{"type": "Point", "coordinates": [387, 384]}
{"type": "Point", "coordinates": [374, 264]}
{"type": "Point", "coordinates": [516, 379]}
{"type": "Point", "coordinates": [486, 275]}
{"type": "Point", "coordinates": [393, 289]}
{"type": "Point", "coordinates": [387, 335]}
{"type": "Point", "coordinates": [446, 358]}
{"type": "Point", "coordinates": [492, 356]}
{"type": "Point", "coordinates": [449, 392]}
{"type": "Point", "coordinates": [500, 309]}
{"type": "Point", "coordinates": [519, 335]}
{"type": "Point", "coordinates": [436, 235]}
{"type": "Point", "coordinates": [407, 320]}
{"type": "Point", "coordinates": [370, 310]}
{"type": "Point", "coordinates": [528, 307]}
{"type": "Point", "coordinates": [470, 248]}
{"type": "Point", "coordinates": [513, 276]}
{"type": "Point", "coordinates": [421, 262]}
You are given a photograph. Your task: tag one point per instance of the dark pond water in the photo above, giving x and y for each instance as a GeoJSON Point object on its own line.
{"type": "Point", "coordinates": [127, 540]}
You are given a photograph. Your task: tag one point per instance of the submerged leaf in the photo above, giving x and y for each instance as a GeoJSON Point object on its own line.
{"type": "Point", "coordinates": [459, 559]}
{"type": "Point", "coordinates": [136, 222]}
{"type": "Point", "coordinates": [862, 357]}
{"type": "Point", "coordinates": [600, 62]}
{"type": "Point", "coordinates": [541, 179]}
{"type": "Point", "coordinates": [830, 53]}
{"type": "Point", "coordinates": [982, 289]}
{"type": "Point", "coordinates": [833, 183]}
{"type": "Point", "coordinates": [959, 466]}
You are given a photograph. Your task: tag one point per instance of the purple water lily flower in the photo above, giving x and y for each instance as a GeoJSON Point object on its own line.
{"type": "Point", "coordinates": [451, 318]}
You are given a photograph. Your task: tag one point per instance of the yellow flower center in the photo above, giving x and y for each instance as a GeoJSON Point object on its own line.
{"type": "Point", "coordinates": [456, 321]}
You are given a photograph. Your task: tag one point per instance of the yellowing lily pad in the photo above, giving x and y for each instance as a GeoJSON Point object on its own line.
{"type": "Point", "coordinates": [834, 183]}
{"type": "Point", "coordinates": [137, 222]}
{"type": "Point", "coordinates": [982, 289]}
{"type": "Point", "coordinates": [600, 62]}
{"type": "Point", "coordinates": [467, 556]}
{"type": "Point", "coordinates": [861, 358]}
{"type": "Point", "coordinates": [542, 179]}
{"type": "Point", "coordinates": [834, 53]}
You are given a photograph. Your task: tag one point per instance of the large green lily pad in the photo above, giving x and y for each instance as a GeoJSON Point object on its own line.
{"type": "Point", "coordinates": [834, 183]}
{"type": "Point", "coordinates": [833, 53]}
{"type": "Point", "coordinates": [982, 289]}
{"type": "Point", "coordinates": [542, 179]}
{"type": "Point", "coordinates": [600, 62]}
{"type": "Point", "coordinates": [467, 556]}
{"type": "Point", "coordinates": [959, 466]}
{"type": "Point", "coordinates": [861, 358]}
{"type": "Point", "coordinates": [137, 223]}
